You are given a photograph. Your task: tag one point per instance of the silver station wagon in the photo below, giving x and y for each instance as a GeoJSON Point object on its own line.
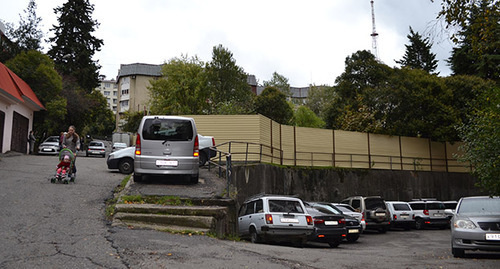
{"type": "Point", "coordinates": [274, 218]}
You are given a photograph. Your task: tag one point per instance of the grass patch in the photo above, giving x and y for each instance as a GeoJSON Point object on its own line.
{"type": "Point", "coordinates": [158, 200]}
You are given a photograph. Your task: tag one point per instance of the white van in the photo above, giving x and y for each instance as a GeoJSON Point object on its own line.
{"type": "Point", "coordinates": [166, 145]}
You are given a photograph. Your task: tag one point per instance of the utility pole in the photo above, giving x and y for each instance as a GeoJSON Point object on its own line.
{"type": "Point", "coordinates": [374, 33]}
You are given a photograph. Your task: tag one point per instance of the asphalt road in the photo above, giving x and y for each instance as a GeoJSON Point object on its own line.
{"type": "Point", "coordinates": [46, 225]}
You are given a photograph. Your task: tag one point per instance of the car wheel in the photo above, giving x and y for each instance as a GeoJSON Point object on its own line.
{"type": "Point", "coordinates": [137, 178]}
{"type": "Point", "coordinates": [126, 166]}
{"type": "Point", "coordinates": [254, 237]}
{"type": "Point", "coordinates": [194, 179]}
{"type": "Point", "coordinates": [419, 224]}
{"type": "Point", "coordinates": [203, 158]}
{"type": "Point", "coordinates": [457, 252]}
{"type": "Point", "coordinates": [334, 244]}
{"type": "Point", "coordinates": [353, 238]}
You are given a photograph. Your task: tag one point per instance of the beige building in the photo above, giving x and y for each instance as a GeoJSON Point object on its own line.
{"type": "Point", "coordinates": [133, 94]}
{"type": "Point", "coordinates": [109, 89]}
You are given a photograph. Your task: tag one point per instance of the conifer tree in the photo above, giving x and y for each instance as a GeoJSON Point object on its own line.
{"type": "Point", "coordinates": [418, 54]}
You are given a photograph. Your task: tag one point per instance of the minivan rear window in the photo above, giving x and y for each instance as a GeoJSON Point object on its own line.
{"type": "Point", "coordinates": [401, 207]}
{"type": "Point", "coordinates": [167, 130]}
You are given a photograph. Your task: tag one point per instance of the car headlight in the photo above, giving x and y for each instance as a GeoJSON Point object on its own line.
{"type": "Point", "coordinates": [464, 224]}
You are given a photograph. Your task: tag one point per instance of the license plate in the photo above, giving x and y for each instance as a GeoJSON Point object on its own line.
{"type": "Point", "coordinates": [404, 216]}
{"type": "Point", "coordinates": [285, 220]}
{"type": "Point", "coordinates": [47, 150]}
{"type": "Point", "coordinates": [438, 215]}
{"type": "Point", "coordinates": [353, 231]}
{"type": "Point", "coordinates": [379, 214]}
{"type": "Point", "coordinates": [492, 236]}
{"type": "Point", "coordinates": [166, 163]}
{"type": "Point", "coordinates": [331, 222]}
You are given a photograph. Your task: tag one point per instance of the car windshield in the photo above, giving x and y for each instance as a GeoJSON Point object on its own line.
{"type": "Point", "coordinates": [480, 206]}
{"type": "Point", "coordinates": [288, 206]}
{"type": "Point", "coordinates": [401, 207]}
{"type": "Point", "coordinates": [372, 203]}
{"type": "Point", "coordinates": [327, 209]}
{"type": "Point", "coordinates": [435, 206]}
{"type": "Point", "coordinates": [95, 144]}
{"type": "Point", "coordinates": [168, 130]}
{"type": "Point", "coordinates": [344, 208]}
{"type": "Point", "coordinates": [52, 139]}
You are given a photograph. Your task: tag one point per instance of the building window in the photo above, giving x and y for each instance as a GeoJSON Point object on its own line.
{"type": "Point", "coordinates": [106, 93]}
{"type": "Point", "coordinates": [124, 92]}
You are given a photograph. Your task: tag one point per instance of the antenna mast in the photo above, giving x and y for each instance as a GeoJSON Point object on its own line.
{"type": "Point", "coordinates": [374, 33]}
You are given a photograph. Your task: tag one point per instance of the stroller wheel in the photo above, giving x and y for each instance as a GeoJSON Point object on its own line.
{"type": "Point", "coordinates": [65, 181]}
{"type": "Point", "coordinates": [72, 179]}
{"type": "Point", "coordinates": [53, 180]}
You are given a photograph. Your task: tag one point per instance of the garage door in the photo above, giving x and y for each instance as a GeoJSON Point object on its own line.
{"type": "Point", "coordinates": [19, 141]}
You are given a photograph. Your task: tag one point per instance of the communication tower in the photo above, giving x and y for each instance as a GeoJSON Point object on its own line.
{"type": "Point", "coordinates": [374, 33]}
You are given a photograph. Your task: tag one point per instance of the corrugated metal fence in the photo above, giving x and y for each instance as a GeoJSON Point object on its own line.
{"type": "Point", "coordinates": [255, 138]}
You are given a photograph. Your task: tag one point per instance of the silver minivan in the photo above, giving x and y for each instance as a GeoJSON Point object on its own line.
{"type": "Point", "coordinates": [166, 145]}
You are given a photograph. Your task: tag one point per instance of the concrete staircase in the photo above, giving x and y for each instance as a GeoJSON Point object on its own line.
{"type": "Point", "coordinates": [216, 216]}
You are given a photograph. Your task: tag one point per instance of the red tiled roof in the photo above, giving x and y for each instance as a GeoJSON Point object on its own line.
{"type": "Point", "coordinates": [16, 89]}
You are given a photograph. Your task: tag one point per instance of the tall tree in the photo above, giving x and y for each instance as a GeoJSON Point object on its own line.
{"type": "Point", "coordinates": [478, 42]}
{"type": "Point", "coordinates": [272, 104]}
{"type": "Point", "coordinates": [305, 117]}
{"type": "Point", "coordinates": [280, 82]}
{"type": "Point", "coordinates": [182, 89]}
{"type": "Point", "coordinates": [28, 35]}
{"type": "Point", "coordinates": [230, 92]}
{"type": "Point", "coordinates": [418, 53]}
{"type": "Point", "coordinates": [74, 45]}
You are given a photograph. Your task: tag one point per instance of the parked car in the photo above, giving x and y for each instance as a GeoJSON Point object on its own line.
{"type": "Point", "coordinates": [429, 213]}
{"type": "Point", "coordinates": [274, 217]}
{"type": "Point", "coordinates": [207, 148]}
{"type": "Point", "coordinates": [352, 225]}
{"type": "Point", "coordinates": [49, 146]}
{"type": "Point", "coordinates": [118, 146]}
{"type": "Point", "coordinates": [167, 145]}
{"type": "Point", "coordinates": [329, 226]}
{"type": "Point", "coordinates": [402, 216]}
{"type": "Point", "coordinates": [374, 211]}
{"type": "Point", "coordinates": [347, 210]}
{"type": "Point", "coordinates": [476, 225]}
{"type": "Point", "coordinates": [450, 207]}
{"type": "Point", "coordinates": [122, 160]}
{"type": "Point", "coordinates": [96, 148]}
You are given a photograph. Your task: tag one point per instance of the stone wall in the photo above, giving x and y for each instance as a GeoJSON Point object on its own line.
{"type": "Point", "coordinates": [332, 185]}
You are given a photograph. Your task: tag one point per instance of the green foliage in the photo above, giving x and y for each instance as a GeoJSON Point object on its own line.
{"type": "Point", "coordinates": [132, 121]}
{"type": "Point", "coordinates": [100, 119]}
{"type": "Point", "coordinates": [478, 40]}
{"type": "Point", "coordinates": [272, 104]}
{"type": "Point", "coordinates": [38, 71]}
{"type": "Point", "coordinates": [227, 82]}
{"type": "Point", "coordinates": [74, 45]}
{"type": "Point", "coordinates": [305, 117]}
{"type": "Point", "coordinates": [28, 35]}
{"type": "Point", "coordinates": [182, 89]}
{"type": "Point", "coordinates": [280, 82]}
{"type": "Point", "coordinates": [418, 53]}
{"type": "Point", "coordinates": [480, 135]}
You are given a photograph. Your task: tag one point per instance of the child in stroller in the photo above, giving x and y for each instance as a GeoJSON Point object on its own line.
{"type": "Point", "coordinates": [64, 172]}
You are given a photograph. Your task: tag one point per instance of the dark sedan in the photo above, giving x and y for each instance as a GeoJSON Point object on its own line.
{"type": "Point", "coordinates": [352, 225]}
{"type": "Point", "coordinates": [328, 226]}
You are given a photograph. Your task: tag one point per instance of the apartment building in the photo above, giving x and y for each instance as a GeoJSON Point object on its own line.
{"type": "Point", "coordinates": [133, 94]}
{"type": "Point", "coordinates": [109, 89]}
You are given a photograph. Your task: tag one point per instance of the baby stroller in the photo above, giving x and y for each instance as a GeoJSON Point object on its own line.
{"type": "Point", "coordinates": [64, 174]}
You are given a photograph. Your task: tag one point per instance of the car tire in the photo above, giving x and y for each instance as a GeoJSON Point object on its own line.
{"type": "Point", "coordinates": [457, 252]}
{"type": "Point", "coordinates": [137, 178]}
{"type": "Point", "coordinates": [254, 237]}
{"type": "Point", "coordinates": [203, 158]}
{"type": "Point", "coordinates": [353, 238]}
{"type": "Point", "coordinates": [419, 224]}
{"type": "Point", "coordinates": [194, 179]}
{"type": "Point", "coordinates": [334, 244]}
{"type": "Point", "coordinates": [126, 166]}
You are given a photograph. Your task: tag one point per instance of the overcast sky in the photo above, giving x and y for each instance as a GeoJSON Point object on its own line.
{"type": "Point", "coordinates": [305, 41]}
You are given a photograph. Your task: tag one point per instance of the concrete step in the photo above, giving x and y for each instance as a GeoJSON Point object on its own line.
{"type": "Point", "coordinates": [202, 222]}
{"type": "Point", "coordinates": [173, 210]}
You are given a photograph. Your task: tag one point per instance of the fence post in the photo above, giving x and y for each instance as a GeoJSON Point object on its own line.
{"type": "Point", "coordinates": [229, 172]}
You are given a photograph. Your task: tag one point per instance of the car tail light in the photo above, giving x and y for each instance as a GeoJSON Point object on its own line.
{"type": "Point", "coordinates": [269, 219]}
{"type": "Point", "coordinates": [395, 216]}
{"type": "Point", "coordinates": [342, 221]}
{"type": "Point", "coordinates": [138, 145]}
{"type": "Point", "coordinates": [196, 148]}
{"type": "Point", "coordinates": [318, 221]}
{"type": "Point", "coordinates": [213, 141]}
{"type": "Point", "coordinates": [426, 212]}
{"type": "Point", "coordinates": [309, 220]}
